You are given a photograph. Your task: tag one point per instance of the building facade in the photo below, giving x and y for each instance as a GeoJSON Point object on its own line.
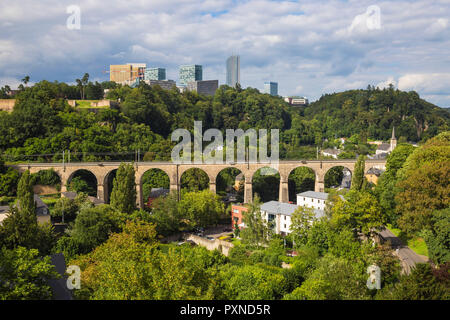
{"type": "Point", "coordinates": [155, 74]}
{"type": "Point", "coordinates": [205, 87]}
{"type": "Point", "coordinates": [165, 84]}
{"type": "Point", "coordinates": [190, 73]}
{"type": "Point", "coordinates": [237, 212]}
{"type": "Point", "coordinates": [278, 215]}
{"type": "Point", "coordinates": [233, 71]}
{"type": "Point", "coordinates": [127, 73]}
{"type": "Point", "coordinates": [296, 101]}
{"type": "Point", "coordinates": [271, 88]}
{"type": "Point", "coordinates": [312, 199]}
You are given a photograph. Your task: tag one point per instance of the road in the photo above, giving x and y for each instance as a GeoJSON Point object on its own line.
{"type": "Point", "coordinates": [407, 257]}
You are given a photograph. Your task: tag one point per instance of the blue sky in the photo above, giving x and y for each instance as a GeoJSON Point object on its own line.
{"type": "Point", "coordinates": [309, 47]}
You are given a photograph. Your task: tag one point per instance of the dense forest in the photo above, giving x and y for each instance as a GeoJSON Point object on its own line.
{"type": "Point", "coordinates": [42, 123]}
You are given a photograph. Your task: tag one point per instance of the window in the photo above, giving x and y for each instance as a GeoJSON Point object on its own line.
{"type": "Point", "coordinates": [235, 210]}
{"type": "Point", "coordinates": [285, 225]}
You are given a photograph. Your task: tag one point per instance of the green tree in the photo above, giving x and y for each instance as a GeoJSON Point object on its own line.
{"type": "Point", "coordinates": [24, 275]}
{"type": "Point", "coordinates": [300, 180]}
{"type": "Point", "coordinates": [423, 184]}
{"type": "Point", "coordinates": [420, 284]}
{"type": "Point", "coordinates": [70, 207]}
{"type": "Point", "coordinates": [153, 271]}
{"type": "Point", "coordinates": [166, 215]}
{"type": "Point", "coordinates": [8, 181]}
{"type": "Point", "coordinates": [385, 188]}
{"type": "Point", "coordinates": [256, 231]}
{"type": "Point", "coordinates": [253, 282]}
{"type": "Point", "coordinates": [194, 180]}
{"type": "Point", "coordinates": [123, 196]}
{"type": "Point", "coordinates": [301, 223]}
{"type": "Point", "coordinates": [201, 209]}
{"type": "Point", "coordinates": [94, 225]}
{"type": "Point", "coordinates": [333, 279]}
{"type": "Point", "coordinates": [359, 181]}
{"type": "Point", "coordinates": [25, 194]}
{"type": "Point", "coordinates": [438, 237]}
{"type": "Point", "coordinates": [359, 210]}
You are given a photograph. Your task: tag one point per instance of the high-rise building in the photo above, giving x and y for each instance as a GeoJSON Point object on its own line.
{"type": "Point", "coordinates": [233, 71]}
{"type": "Point", "coordinates": [205, 87]}
{"type": "Point", "coordinates": [155, 74]}
{"type": "Point", "coordinates": [190, 73]}
{"type": "Point", "coordinates": [126, 73]}
{"type": "Point", "coordinates": [271, 88]}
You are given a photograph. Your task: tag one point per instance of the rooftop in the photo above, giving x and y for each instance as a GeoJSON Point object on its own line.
{"type": "Point", "coordinates": [314, 194]}
{"type": "Point", "coordinates": [277, 207]}
{"type": "Point", "coordinates": [384, 146]}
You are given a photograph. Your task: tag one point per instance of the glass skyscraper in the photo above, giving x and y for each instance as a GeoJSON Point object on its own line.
{"type": "Point", "coordinates": [155, 74]}
{"type": "Point", "coordinates": [190, 73]}
{"type": "Point", "coordinates": [233, 71]}
{"type": "Point", "coordinates": [271, 88]}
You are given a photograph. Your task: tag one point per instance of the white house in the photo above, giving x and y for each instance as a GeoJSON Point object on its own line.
{"type": "Point", "coordinates": [331, 153]}
{"type": "Point", "coordinates": [312, 199]}
{"type": "Point", "coordinates": [280, 214]}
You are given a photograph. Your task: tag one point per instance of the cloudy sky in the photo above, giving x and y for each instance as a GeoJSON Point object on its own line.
{"type": "Point", "coordinates": [309, 47]}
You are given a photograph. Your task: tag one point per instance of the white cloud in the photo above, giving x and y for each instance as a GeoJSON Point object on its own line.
{"type": "Point", "coordinates": [432, 83]}
{"type": "Point", "coordinates": [309, 47]}
{"type": "Point", "coordinates": [385, 84]}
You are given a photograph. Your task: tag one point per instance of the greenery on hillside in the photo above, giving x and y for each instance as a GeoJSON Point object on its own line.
{"type": "Point", "coordinates": [118, 247]}
{"type": "Point", "coordinates": [42, 122]}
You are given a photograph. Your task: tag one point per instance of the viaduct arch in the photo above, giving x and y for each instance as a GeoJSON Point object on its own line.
{"type": "Point", "coordinates": [101, 170]}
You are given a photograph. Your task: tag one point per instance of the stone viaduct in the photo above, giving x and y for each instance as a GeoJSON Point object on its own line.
{"type": "Point", "coordinates": [101, 171]}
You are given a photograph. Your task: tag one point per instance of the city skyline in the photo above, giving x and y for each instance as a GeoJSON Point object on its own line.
{"type": "Point", "coordinates": [309, 48]}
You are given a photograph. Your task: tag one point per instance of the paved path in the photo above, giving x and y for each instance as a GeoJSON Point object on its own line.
{"type": "Point", "coordinates": [408, 258]}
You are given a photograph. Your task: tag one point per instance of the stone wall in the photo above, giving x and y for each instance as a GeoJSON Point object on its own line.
{"type": "Point", "coordinates": [221, 245]}
{"type": "Point", "coordinates": [42, 190]}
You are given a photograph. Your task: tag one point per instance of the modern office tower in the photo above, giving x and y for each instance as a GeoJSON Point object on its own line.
{"type": "Point", "coordinates": [271, 88]}
{"type": "Point", "coordinates": [138, 70]}
{"type": "Point", "coordinates": [190, 73]}
{"type": "Point", "coordinates": [126, 73]}
{"type": "Point", "coordinates": [205, 87]}
{"type": "Point", "coordinates": [155, 74]}
{"type": "Point", "coordinates": [233, 71]}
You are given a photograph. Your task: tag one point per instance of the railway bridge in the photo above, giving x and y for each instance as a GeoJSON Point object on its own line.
{"type": "Point", "coordinates": [102, 170]}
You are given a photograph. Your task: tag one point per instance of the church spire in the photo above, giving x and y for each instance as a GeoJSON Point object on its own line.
{"type": "Point", "coordinates": [393, 140]}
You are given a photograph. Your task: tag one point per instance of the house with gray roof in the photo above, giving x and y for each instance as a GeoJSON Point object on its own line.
{"type": "Point", "coordinates": [312, 199]}
{"type": "Point", "coordinates": [42, 212]}
{"type": "Point", "coordinates": [279, 214]}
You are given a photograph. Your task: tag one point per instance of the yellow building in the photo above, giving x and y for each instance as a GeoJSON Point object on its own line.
{"type": "Point", "coordinates": [126, 73]}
